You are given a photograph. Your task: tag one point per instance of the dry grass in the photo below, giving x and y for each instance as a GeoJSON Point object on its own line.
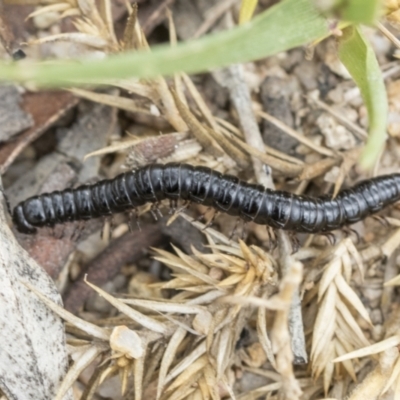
{"type": "Point", "coordinates": [187, 345]}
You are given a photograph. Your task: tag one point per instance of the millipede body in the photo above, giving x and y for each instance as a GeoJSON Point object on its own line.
{"type": "Point", "coordinates": [225, 193]}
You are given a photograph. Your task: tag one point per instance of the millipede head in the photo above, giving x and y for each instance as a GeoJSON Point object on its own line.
{"type": "Point", "coordinates": [20, 221]}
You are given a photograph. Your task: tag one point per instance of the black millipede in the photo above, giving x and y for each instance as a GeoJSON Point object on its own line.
{"type": "Point", "coordinates": [225, 193]}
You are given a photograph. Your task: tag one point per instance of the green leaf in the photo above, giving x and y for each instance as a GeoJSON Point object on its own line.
{"type": "Point", "coordinates": [359, 58]}
{"type": "Point", "coordinates": [355, 11]}
{"type": "Point", "coordinates": [288, 24]}
{"type": "Point", "coordinates": [360, 11]}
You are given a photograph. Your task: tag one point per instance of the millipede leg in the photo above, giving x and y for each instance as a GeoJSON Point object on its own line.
{"type": "Point", "coordinates": [155, 211]}
{"type": "Point", "coordinates": [183, 207]}
{"type": "Point", "coordinates": [234, 229]}
{"type": "Point", "coordinates": [133, 215]}
{"type": "Point", "coordinates": [137, 219]}
{"type": "Point", "coordinates": [159, 212]}
{"type": "Point", "coordinates": [211, 221]}
{"type": "Point", "coordinates": [348, 231]}
{"type": "Point", "coordinates": [173, 205]}
{"type": "Point", "coordinates": [330, 236]}
{"type": "Point", "coordinates": [108, 226]}
{"type": "Point", "coordinates": [202, 216]}
{"type": "Point", "coordinates": [273, 242]}
{"type": "Point", "coordinates": [243, 234]}
{"type": "Point", "coordinates": [382, 220]}
{"type": "Point", "coordinates": [102, 233]}
{"type": "Point", "coordinates": [294, 241]}
{"type": "Point", "coordinates": [79, 227]}
{"type": "Point", "coordinates": [105, 232]}
{"type": "Point", "coordinates": [130, 218]}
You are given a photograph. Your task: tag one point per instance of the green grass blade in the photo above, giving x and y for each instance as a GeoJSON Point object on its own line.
{"type": "Point", "coordinates": [359, 58]}
{"type": "Point", "coordinates": [353, 11]}
{"type": "Point", "coordinates": [360, 11]}
{"type": "Point", "coordinates": [288, 24]}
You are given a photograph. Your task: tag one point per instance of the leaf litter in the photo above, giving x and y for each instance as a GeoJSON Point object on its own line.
{"type": "Point", "coordinates": [223, 315]}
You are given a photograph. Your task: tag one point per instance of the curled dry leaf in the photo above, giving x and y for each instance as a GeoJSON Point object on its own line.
{"type": "Point", "coordinates": [142, 151]}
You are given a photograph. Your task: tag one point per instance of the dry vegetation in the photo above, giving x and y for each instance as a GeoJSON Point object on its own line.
{"type": "Point", "coordinates": [225, 317]}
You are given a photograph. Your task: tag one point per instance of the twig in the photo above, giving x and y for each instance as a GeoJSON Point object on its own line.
{"type": "Point", "coordinates": [233, 78]}
{"type": "Point", "coordinates": [296, 328]}
{"type": "Point", "coordinates": [240, 97]}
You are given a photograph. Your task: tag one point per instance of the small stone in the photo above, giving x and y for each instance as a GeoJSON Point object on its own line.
{"type": "Point", "coordinates": [275, 97]}
{"type": "Point", "coordinates": [256, 354]}
{"type": "Point", "coordinates": [332, 175]}
{"type": "Point", "coordinates": [307, 73]}
{"type": "Point", "coordinates": [336, 136]}
{"type": "Point", "coordinates": [336, 95]}
{"type": "Point", "coordinates": [124, 340]}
